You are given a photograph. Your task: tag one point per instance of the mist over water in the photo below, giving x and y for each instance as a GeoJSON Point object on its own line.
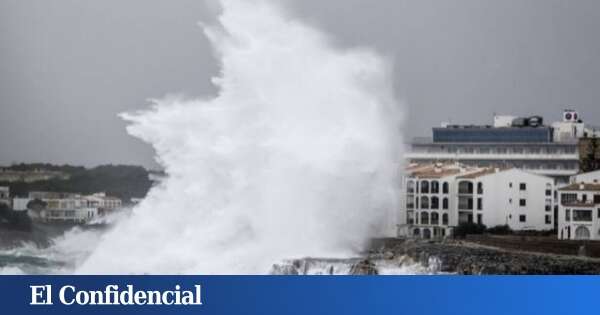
{"type": "Point", "coordinates": [296, 156]}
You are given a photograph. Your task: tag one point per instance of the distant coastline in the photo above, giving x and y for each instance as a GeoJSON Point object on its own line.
{"type": "Point", "coordinates": [123, 181]}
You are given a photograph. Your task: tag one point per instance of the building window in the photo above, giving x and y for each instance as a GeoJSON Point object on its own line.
{"type": "Point", "coordinates": [465, 203]}
{"type": "Point", "coordinates": [598, 213]}
{"type": "Point", "coordinates": [568, 198]}
{"type": "Point", "coordinates": [410, 203]}
{"type": "Point", "coordinates": [445, 219]}
{"type": "Point", "coordinates": [523, 202]}
{"type": "Point", "coordinates": [509, 185]}
{"type": "Point", "coordinates": [568, 215]}
{"type": "Point", "coordinates": [479, 219]}
{"type": "Point", "coordinates": [445, 188]}
{"type": "Point", "coordinates": [425, 218]}
{"type": "Point", "coordinates": [522, 218]}
{"type": "Point", "coordinates": [479, 204]}
{"type": "Point", "coordinates": [435, 218]}
{"type": "Point", "coordinates": [480, 188]}
{"type": "Point", "coordinates": [435, 203]}
{"type": "Point", "coordinates": [548, 192]}
{"type": "Point", "coordinates": [596, 199]}
{"type": "Point", "coordinates": [435, 187]}
{"type": "Point", "coordinates": [582, 215]}
{"type": "Point", "coordinates": [445, 203]}
{"type": "Point", "coordinates": [582, 233]}
{"type": "Point", "coordinates": [522, 186]}
{"type": "Point", "coordinates": [548, 219]}
{"type": "Point", "coordinates": [424, 187]}
{"type": "Point", "coordinates": [410, 187]}
{"type": "Point", "coordinates": [465, 188]}
{"type": "Point", "coordinates": [424, 203]}
{"type": "Point", "coordinates": [410, 218]}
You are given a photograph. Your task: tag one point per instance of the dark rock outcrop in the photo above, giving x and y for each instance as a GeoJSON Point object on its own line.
{"type": "Point", "coordinates": [471, 259]}
{"type": "Point", "coordinates": [364, 268]}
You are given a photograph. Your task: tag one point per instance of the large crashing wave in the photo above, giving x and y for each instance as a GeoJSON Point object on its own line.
{"type": "Point", "coordinates": [296, 156]}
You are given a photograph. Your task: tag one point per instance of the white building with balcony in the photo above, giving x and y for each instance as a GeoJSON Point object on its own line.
{"type": "Point", "coordinates": [579, 212]}
{"type": "Point", "coordinates": [438, 197]}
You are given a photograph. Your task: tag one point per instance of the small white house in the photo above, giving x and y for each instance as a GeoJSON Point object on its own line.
{"type": "Point", "coordinates": [579, 212]}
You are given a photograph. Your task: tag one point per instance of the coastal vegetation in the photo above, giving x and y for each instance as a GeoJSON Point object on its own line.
{"type": "Point", "coordinates": [122, 181]}
{"type": "Point", "coordinates": [14, 220]}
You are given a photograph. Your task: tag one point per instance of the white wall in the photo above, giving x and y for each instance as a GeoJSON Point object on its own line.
{"type": "Point", "coordinates": [20, 204]}
{"type": "Point", "coordinates": [501, 202]}
{"type": "Point", "coordinates": [589, 178]}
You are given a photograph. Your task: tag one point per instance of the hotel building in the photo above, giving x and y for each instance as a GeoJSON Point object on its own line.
{"type": "Point", "coordinates": [511, 142]}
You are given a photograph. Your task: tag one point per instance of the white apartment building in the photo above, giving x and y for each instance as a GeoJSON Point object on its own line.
{"type": "Point", "coordinates": [438, 197]}
{"type": "Point", "coordinates": [521, 200]}
{"type": "Point", "coordinates": [579, 212]}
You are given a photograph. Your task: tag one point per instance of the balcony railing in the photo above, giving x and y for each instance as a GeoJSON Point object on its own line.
{"type": "Point", "coordinates": [492, 156]}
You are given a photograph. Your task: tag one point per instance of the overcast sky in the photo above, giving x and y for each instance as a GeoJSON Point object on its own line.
{"type": "Point", "coordinates": [68, 67]}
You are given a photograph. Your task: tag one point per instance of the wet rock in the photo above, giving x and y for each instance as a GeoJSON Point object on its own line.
{"type": "Point", "coordinates": [469, 259]}
{"type": "Point", "coordinates": [364, 268]}
{"type": "Point", "coordinates": [388, 255]}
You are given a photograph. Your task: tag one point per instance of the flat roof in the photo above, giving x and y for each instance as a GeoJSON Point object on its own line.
{"type": "Point", "coordinates": [484, 172]}
{"type": "Point", "coordinates": [429, 141]}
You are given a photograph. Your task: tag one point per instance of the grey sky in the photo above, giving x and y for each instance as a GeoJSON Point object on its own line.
{"type": "Point", "coordinates": [67, 67]}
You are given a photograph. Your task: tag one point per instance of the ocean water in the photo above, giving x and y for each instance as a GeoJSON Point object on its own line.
{"type": "Point", "coordinates": [67, 252]}
{"type": "Point", "coordinates": [297, 155]}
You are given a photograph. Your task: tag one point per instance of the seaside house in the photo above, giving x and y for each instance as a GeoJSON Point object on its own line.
{"type": "Point", "coordinates": [56, 207]}
{"type": "Point", "coordinates": [579, 212]}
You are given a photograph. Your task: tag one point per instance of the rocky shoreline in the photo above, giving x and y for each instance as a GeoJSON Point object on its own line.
{"type": "Point", "coordinates": [465, 258]}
